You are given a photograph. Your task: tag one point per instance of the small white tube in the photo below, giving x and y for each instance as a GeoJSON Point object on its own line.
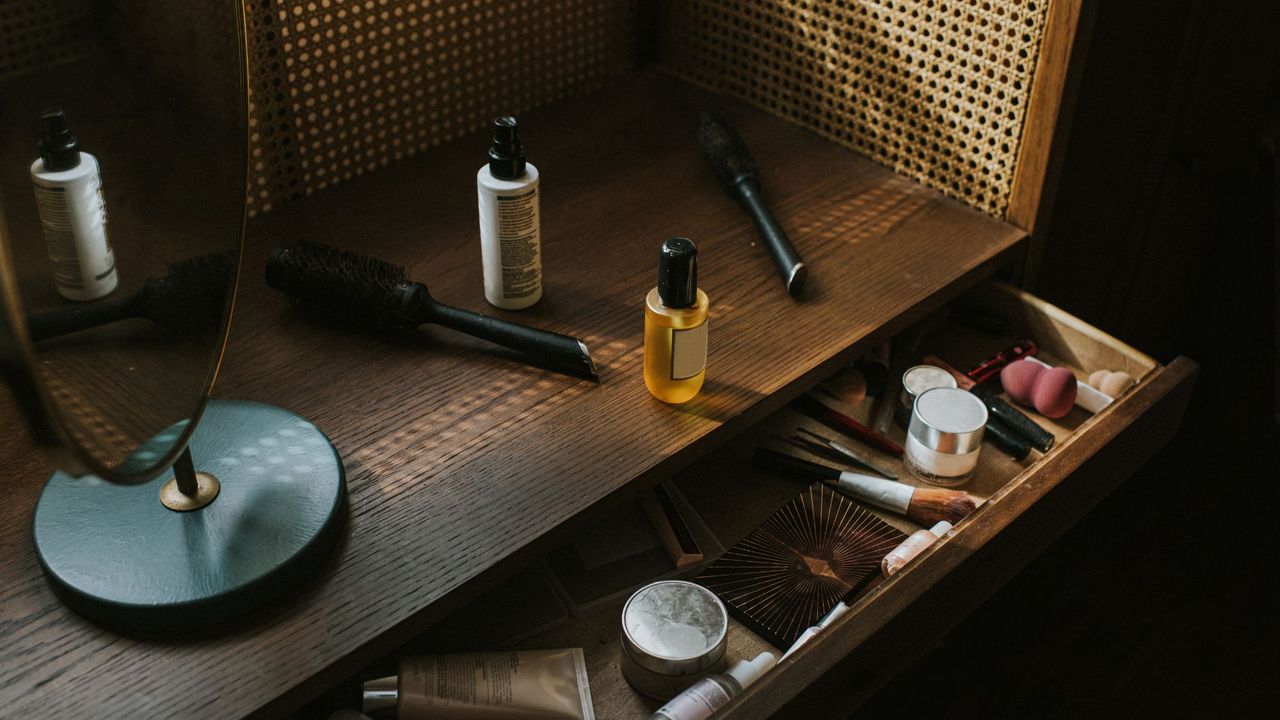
{"type": "Point", "coordinates": [840, 609]}
{"type": "Point", "coordinates": [911, 547]}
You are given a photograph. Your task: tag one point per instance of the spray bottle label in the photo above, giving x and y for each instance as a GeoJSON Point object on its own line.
{"type": "Point", "coordinates": [688, 352]}
{"type": "Point", "coordinates": [699, 701]}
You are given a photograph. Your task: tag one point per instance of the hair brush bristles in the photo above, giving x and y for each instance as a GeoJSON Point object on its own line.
{"type": "Point", "coordinates": [318, 276]}
{"type": "Point", "coordinates": [724, 149]}
{"type": "Point", "coordinates": [193, 293]}
{"type": "Point", "coordinates": [929, 505]}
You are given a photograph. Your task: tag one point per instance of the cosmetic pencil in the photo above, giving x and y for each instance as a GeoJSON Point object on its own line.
{"type": "Point", "coordinates": [844, 454]}
{"type": "Point", "coordinates": [836, 420]}
{"type": "Point", "coordinates": [814, 447]}
{"type": "Point", "coordinates": [732, 163]}
{"type": "Point", "coordinates": [1013, 418]}
{"type": "Point", "coordinates": [924, 505]}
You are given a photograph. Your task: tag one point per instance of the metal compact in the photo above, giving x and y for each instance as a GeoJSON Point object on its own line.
{"type": "Point", "coordinates": [673, 634]}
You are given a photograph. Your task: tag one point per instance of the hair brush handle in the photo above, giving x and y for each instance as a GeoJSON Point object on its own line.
{"type": "Point", "coordinates": [43, 326]}
{"type": "Point", "coordinates": [561, 352]}
{"type": "Point", "coordinates": [785, 257]}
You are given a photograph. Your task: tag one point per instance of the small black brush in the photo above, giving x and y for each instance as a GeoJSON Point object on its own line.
{"type": "Point", "coordinates": [192, 295]}
{"type": "Point", "coordinates": [733, 164]}
{"type": "Point", "coordinates": [367, 290]}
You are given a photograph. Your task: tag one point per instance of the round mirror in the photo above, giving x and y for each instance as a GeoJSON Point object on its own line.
{"type": "Point", "coordinates": [123, 153]}
{"type": "Point", "coordinates": [123, 133]}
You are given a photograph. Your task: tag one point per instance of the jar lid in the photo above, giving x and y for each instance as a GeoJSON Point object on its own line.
{"type": "Point", "coordinates": [920, 378]}
{"type": "Point", "coordinates": [948, 420]}
{"type": "Point", "coordinates": [674, 627]}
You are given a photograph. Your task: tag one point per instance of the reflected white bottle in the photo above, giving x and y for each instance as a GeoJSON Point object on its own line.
{"type": "Point", "coordinates": [510, 222]}
{"type": "Point", "coordinates": [73, 214]}
{"type": "Point", "coordinates": [701, 699]}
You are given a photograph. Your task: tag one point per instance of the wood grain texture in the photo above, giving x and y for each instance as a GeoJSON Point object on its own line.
{"type": "Point", "coordinates": [463, 463]}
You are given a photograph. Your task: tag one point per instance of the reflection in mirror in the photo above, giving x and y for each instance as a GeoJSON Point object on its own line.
{"type": "Point", "coordinates": [122, 186]}
{"type": "Point", "coordinates": [123, 139]}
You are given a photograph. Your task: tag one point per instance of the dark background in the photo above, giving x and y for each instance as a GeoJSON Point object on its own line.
{"type": "Point", "coordinates": [1163, 599]}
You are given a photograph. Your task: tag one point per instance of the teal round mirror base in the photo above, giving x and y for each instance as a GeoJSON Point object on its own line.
{"type": "Point", "coordinates": [117, 555]}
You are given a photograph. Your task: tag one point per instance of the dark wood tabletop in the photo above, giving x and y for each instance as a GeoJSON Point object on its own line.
{"type": "Point", "coordinates": [464, 463]}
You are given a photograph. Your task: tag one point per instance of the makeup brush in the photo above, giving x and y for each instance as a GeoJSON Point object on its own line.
{"type": "Point", "coordinates": [733, 164]}
{"type": "Point", "coordinates": [924, 505]}
{"type": "Point", "coordinates": [191, 295]}
{"type": "Point", "coordinates": [365, 290]}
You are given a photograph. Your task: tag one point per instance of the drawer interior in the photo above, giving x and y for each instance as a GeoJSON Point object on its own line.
{"type": "Point", "coordinates": [724, 496]}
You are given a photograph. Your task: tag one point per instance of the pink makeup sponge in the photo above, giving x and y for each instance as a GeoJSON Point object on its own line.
{"type": "Point", "coordinates": [1051, 391]}
{"type": "Point", "coordinates": [1054, 392]}
{"type": "Point", "coordinates": [1018, 378]}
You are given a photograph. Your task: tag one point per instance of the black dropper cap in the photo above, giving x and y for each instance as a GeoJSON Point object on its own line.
{"type": "Point", "coordinates": [58, 147]}
{"type": "Point", "coordinates": [678, 273]}
{"type": "Point", "coordinates": [506, 157]}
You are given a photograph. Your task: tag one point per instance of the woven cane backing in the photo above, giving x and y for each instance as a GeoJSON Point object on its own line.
{"type": "Point", "coordinates": [935, 89]}
{"type": "Point", "coordinates": [39, 33]}
{"type": "Point", "coordinates": [341, 88]}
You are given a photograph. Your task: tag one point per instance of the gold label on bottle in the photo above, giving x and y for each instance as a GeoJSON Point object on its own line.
{"type": "Point", "coordinates": [688, 352]}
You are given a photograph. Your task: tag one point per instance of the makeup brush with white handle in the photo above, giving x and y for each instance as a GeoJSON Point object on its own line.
{"type": "Point", "coordinates": [924, 505]}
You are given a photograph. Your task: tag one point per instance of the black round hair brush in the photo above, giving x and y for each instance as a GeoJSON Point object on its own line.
{"type": "Point", "coordinates": [191, 296]}
{"type": "Point", "coordinates": [733, 165]}
{"type": "Point", "coordinates": [366, 290]}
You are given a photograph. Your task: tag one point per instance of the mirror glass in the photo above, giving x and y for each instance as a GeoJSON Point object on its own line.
{"type": "Point", "coordinates": [123, 150]}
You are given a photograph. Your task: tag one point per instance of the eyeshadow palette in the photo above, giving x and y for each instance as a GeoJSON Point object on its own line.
{"type": "Point", "coordinates": [815, 550]}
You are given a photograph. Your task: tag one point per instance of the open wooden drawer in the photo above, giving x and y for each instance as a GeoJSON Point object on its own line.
{"type": "Point", "coordinates": [1024, 507]}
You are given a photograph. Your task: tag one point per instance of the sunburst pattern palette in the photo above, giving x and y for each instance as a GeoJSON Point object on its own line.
{"type": "Point", "coordinates": [815, 550]}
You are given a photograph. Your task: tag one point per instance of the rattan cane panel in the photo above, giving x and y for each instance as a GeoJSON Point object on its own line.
{"type": "Point", "coordinates": [341, 88]}
{"type": "Point", "coordinates": [935, 89]}
{"type": "Point", "coordinates": [40, 33]}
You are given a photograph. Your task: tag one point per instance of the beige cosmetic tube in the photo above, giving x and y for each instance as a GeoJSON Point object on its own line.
{"type": "Point", "coordinates": [533, 684]}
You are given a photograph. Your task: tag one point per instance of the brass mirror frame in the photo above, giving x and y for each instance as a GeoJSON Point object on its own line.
{"type": "Point", "coordinates": [46, 424]}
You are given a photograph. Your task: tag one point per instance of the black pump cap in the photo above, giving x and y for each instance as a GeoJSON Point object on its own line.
{"type": "Point", "coordinates": [506, 157]}
{"type": "Point", "coordinates": [678, 273]}
{"type": "Point", "coordinates": [59, 149]}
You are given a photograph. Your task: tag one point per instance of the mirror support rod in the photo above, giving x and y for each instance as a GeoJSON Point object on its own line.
{"type": "Point", "coordinates": [184, 470]}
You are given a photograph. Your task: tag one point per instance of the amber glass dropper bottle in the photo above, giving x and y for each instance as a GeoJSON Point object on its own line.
{"type": "Point", "coordinates": [675, 326]}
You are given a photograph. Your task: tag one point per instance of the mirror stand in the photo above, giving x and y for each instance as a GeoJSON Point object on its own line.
{"type": "Point", "coordinates": [188, 490]}
{"type": "Point", "coordinates": [262, 509]}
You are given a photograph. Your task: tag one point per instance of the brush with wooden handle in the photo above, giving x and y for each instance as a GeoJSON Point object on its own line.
{"type": "Point", "coordinates": [924, 505]}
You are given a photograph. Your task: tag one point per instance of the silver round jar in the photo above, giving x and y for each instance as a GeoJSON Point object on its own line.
{"type": "Point", "coordinates": [944, 439]}
{"type": "Point", "coordinates": [673, 634]}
